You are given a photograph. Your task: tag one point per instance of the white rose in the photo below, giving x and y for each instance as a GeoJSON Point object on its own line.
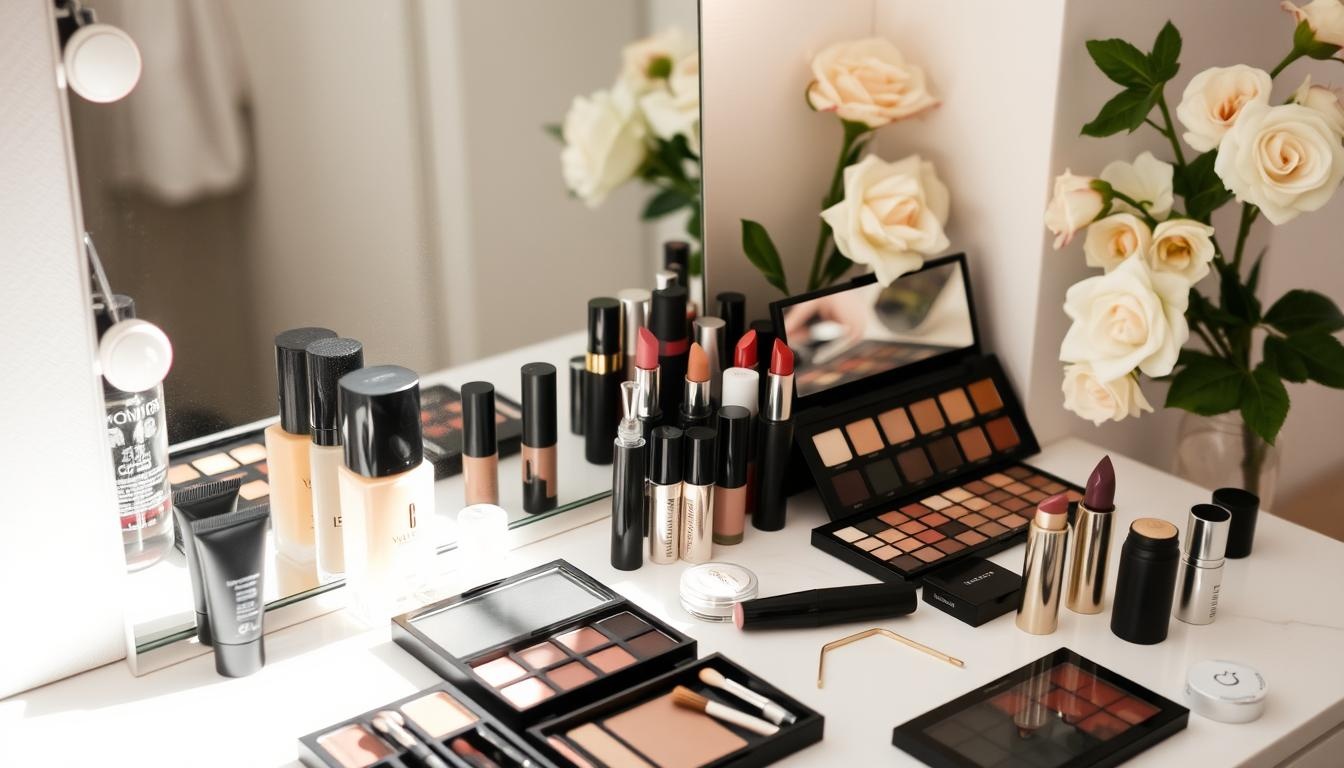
{"type": "Point", "coordinates": [869, 82]}
{"type": "Point", "coordinates": [1325, 17]}
{"type": "Point", "coordinates": [1285, 159]}
{"type": "Point", "coordinates": [646, 63]}
{"type": "Point", "coordinates": [1147, 180]}
{"type": "Point", "coordinates": [1074, 205]}
{"type": "Point", "coordinates": [1099, 401]}
{"type": "Point", "coordinates": [604, 144]}
{"type": "Point", "coordinates": [675, 109]}
{"type": "Point", "coordinates": [1181, 247]}
{"type": "Point", "coordinates": [1215, 98]}
{"type": "Point", "coordinates": [1115, 238]}
{"type": "Point", "coordinates": [1324, 100]}
{"type": "Point", "coordinates": [892, 215]}
{"type": "Point", "coordinates": [1128, 318]}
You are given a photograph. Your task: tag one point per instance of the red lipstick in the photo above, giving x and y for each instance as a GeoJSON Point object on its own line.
{"type": "Point", "coordinates": [744, 354]}
{"type": "Point", "coordinates": [781, 359]}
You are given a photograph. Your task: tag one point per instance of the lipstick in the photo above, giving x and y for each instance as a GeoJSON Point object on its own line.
{"type": "Point", "coordinates": [708, 332]}
{"type": "Point", "coordinates": [667, 320]}
{"type": "Point", "coordinates": [1043, 569]}
{"type": "Point", "coordinates": [742, 387]}
{"type": "Point", "coordinates": [776, 440]}
{"type": "Point", "coordinates": [634, 316]}
{"type": "Point", "coordinates": [602, 379]}
{"type": "Point", "coordinates": [648, 380]}
{"type": "Point", "coordinates": [695, 405]}
{"type": "Point", "coordinates": [1091, 545]}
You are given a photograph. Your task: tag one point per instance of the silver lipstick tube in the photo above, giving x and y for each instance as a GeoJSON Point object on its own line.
{"type": "Point", "coordinates": [648, 382]}
{"type": "Point", "coordinates": [709, 335]}
{"type": "Point", "coordinates": [664, 522]}
{"type": "Point", "coordinates": [695, 405]}
{"type": "Point", "coordinates": [635, 304]}
{"type": "Point", "coordinates": [697, 523]}
{"type": "Point", "coordinates": [778, 398]}
{"type": "Point", "coordinates": [1200, 577]}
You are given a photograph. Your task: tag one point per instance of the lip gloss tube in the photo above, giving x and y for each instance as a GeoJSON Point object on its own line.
{"type": "Point", "coordinates": [667, 320]}
{"type": "Point", "coordinates": [776, 441]}
{"type": "Point", "coordinates": [629, 474]}
{"type": "Point", "coordinates": [697, 494]}
{"type": "Point", "coordinates": [665, 495]}
{"type": "Point", "coordinates": [730, 497]}
{"type": "Point", "coordinates": [602, 380]}
{"type": "Point", "coordinates": [742, 386]}
{"type": "Point", "coordinates": [1043, 569]}
{"type": "Point", "coordinates": [540, 475]}
{"type": "Point", "coordinates": [480, 452]}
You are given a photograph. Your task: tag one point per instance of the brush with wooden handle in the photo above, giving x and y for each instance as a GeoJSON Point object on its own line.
{"type": "Point", "coordinates": [685, 697]}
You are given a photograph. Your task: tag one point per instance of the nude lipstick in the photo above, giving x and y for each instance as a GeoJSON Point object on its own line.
{"type": "Point", "coordinates": [648, 381]}
{"type": "Point", "coordinates": [695, 402]}
{"type": "Point", "coordinates": [1091, 545]}
{"type": "Point", "coordinates": [1043, 569]}
{"type": "Point", "coordinates": [776, 440]}
{"type": "Point", "coordinates": [602, 380]}
{"type": "Point", "coordinates": [667, 320]}
{"type": "Point", "coordinates": [709, 335]}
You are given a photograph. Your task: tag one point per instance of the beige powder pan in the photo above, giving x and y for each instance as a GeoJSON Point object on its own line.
{"type": "Point", "coordinates": [672, 736]}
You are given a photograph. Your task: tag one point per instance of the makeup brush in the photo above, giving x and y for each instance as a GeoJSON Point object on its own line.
{"type": "Point", "coordinates": [686, 698]}
{"type": "Point", "coordinates": [695, 403]}
{"type": "Point", "coordinates": [470, 754]}
{"type": "Point", "coordinates": [391, 724]}
{"type": "Point", "coordinates": [772, 711]}
{"type": "Point", "coordinates": [516, 758]}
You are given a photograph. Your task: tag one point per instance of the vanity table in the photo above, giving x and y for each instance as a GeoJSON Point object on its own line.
{"type": "Point", "coordinates": [328, 668]}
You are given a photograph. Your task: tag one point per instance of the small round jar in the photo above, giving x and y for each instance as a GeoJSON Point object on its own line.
{"type": "Point", "coordinates": [709, 591]}
{"type": "Point", "coordinates": [1225, 691]}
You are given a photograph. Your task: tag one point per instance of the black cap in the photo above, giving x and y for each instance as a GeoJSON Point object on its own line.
{"type": "Point", "coordinates": [539, 405]}
{"type": "Point", "coordinates": [733, 310]}
{"type": "Point", "coordinates": [700, 445]}
{"type": "Point", "coordinates": [667, 316]}
{"type": "Point", "coordinates": [328, 361]}
{"type": "Point", "coordinates": [478, 419]}
{"type": "Point", "coordinates": [380, 420]}
{"type": "Point", "coordinates": [102, 318]}
{"type": "Point", "coordinates": [604, 326]}
{"type": "Point", "coordinates": [665, 456]}
{"type": "Point", "coordinates": [822, 607]}
{"type": "Point", "coordinates": [1245, 508]}
{"type": "Point", "coordinates": [677, 258]}
{"type": "Point", "coordinates": [734, 440]}
{"type": "Point", "coordinates": [291, 372]}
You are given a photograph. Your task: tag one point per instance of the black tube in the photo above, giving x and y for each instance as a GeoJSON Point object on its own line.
{"type": "Point", "coordinates": [733, 310]}
{"type": "Point", "coordinates": [576, 395]}
{"type": "Point", "coordinates": [601, 414]}
{"type": "Point", "coordinates": [1244, 507]}
{"type": "Point", "coordinates": [231, 550]}
{"type": "Point", "coordinates": [1145, 583]}
{"type": "Point", "coordinates": [199, 503]}
{"type": "Point", "coordinates": [667, 321]}
{"type": "Point", "coordinates": [776, 445]}
{"type": "Point", "coordinates": [822, 607]}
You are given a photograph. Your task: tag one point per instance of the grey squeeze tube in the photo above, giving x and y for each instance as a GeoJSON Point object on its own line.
{"type": "Point", "coordinates": [231, 550]}
{"type": "Point", "coordinates": [200, 502]}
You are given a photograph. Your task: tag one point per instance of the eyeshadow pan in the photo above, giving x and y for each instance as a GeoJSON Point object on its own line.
{"type": "Point", "coordinates": [929, 536]}
{"type": "Point", "coordinates": [1018, 472]}
{"type": "Point", "coordinates": [832, 448]}
{"type": "Point", "coordinates": [355, 746]}
{"type": "Point", "coordinates": [907, 562]}
{"type": "Point", "coordinates": [214, 464]}
{"type": "Point", "coordinates": [525, 693]}
{"type": "Point", "coordinates": [850, 534]}
{"type": "Point", "coordinates": [974, 444]}
{"type": "Point", "coordinates": [914, 510]}
{"type": "Point", "coordinates": [438, 714]}
{"type": "Point", "coordinates": [890, 535]}
{"type": "Point", "coordinates": [934, 519]}
{"type": "Point", "coordinates": [956, 511]}
{"type": "Point", "coordinates": [985, 395]}
{"type": "Point", "coordinates": [1017, 488]}
{"type": "Point", "coordinates": [871, 526]}
{"type": "Point", "coordinates": [927, 416]}
{"type": "Point", "coordinates": [998, 480]}
{"type": "Point", "coordinates": [651, 644]}
{"type": "Point", "coordinates": [181, 473]}
{"type": "Point", "coordinates": [975, 503]}
{"type": "Point", "coordinates": [1035, 497]}
{"type": "Point", "coordinates": [956, 406]}
{"type": "Point", "coordinates": [1131, 710]}
{"type": "Point", "coordinates": [254, 490]}
{"type": "Point", "coordinates": [908, 544]}
{"type": "Point", "coordinates": [956, 494]}
{"type": "Point", "coordinates": [950, 546]}
{"type": "Point", "coordinates": [1013, 521]}
{"type": "Point", "coordinates": [1002, 433]}
{"type": "Point", "coordinates": [885, 553]}
{"type": "Point", "coordinates": [928, 554]}
{"type": "Point", "coordinates": [863, 434]}
{"type": "Point", "coordinates": [998, 496]}
{"type": "Point", "coordinates": [1098, 693]}
{"type": "Point", "coordinates": [882, 476]}
{"type": "Point", "coordinates": [542, 655]}
{"type": "Point", "coordinates": [868, 544]}
{"type": "Point", "coordinates": [1014, 505]}
{"type": "Point", "coordinates": [936, 502]}
{"type": "Point", "coordinates": [571, 675]}
{"type": "Point", "coordinates": [911, 527]}
{"type": "Point", "coordinates": [611, 659]}
{"type": "Point", "coordinates": [583, 639]}
{"type": "Point", "coordinates": [978, 486]}
{"type": "Point", "coordinates": [974, 519]}
{"type": "Point", "coordinates": [892, 518]}
{"type": "Point", "coordinates": [1052, 487]}
{"type": "Point", "coordinates": [896, 425]}
{"type": "Point", "coordinates": [914, 465]}
{"type": "Point", "coordinates": [952, 528]}
{"type": "Point", "coordinates": [992, 529]}
{"type": "Point", "coordinates": [623, 625]}
{"type": "Point", "coordinates": [994, 511]}
{"type": "Point", "coordinates": [1103, 726]}
{"type": "Point", "coordinates": [499, 671]}
{"type": "Point", "coordinates": [945, 455]}
{"type": "Point", "coordinates": [1072, 708]}
{"type": "Point", "coordinates": [674, 736]}
{"type": "Point", "coordinates": [247, 454]}
{"type": "Point", "coordinates": [849, 487]}
{"type": "Point", "coordinates": [971, 538]}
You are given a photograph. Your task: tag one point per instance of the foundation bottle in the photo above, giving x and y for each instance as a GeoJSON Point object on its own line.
{"type": "Point", "coordinates": [328, 361]}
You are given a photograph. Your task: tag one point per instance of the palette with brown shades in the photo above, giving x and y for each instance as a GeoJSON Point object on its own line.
{"type": "Point", "coordinates": [643, 728]}
{"type": "Point", "coordinates": [1062, 711]}
{"type": "Point", "coordinates": [441, 425]}
{"type": "Point", "coordinates": [908, 539]}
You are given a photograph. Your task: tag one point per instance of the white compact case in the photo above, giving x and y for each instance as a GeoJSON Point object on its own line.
{"type": "Point", "coordinates": [1225, 691]}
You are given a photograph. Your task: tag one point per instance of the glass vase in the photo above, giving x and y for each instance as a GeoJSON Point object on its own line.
{"type": "Point", "coordinates": [1221, 451]}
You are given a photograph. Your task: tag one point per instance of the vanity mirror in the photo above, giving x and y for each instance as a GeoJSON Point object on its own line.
{"type": "Point", "coordinates": [392, 172]}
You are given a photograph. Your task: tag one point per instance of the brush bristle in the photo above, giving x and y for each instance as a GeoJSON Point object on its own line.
{"type": "Point", "coordinates": [202, 491]}
{"type": "Point", "coordinates": [711, 677]}
{"type": "Point", "coordinates": [685, 697]}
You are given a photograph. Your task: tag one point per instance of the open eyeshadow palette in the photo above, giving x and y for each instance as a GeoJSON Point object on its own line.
{"type": "Point", "coordinates": [453, 727]}
{"type": "Point", "coordinates": [1061, 711]}
{"type": "Point", "coordinates": [858, 361]}
{"type": "Point", "coordinates": [643, 728]}
{"type": "Point", "coordinates": [441, 425]}
{"type": "Point", "coordinates": [540, 642]}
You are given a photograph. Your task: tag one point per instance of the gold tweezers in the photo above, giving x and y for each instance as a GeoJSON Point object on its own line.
{"type": "Point", "coordinates": [854, 638]}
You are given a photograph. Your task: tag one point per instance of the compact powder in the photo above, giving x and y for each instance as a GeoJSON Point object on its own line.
{"type": "Point", "coordinates": [956, 406]}
{"type": "Point", "coordinates": [611, 659]}
{"type": "Point", "coordinates": [247, 454]}
{"type": "Point", "coordinates": [527, 692]}
{"type": "Point", "coordinates": [832, 448]}
{"type": "Point", "coordinates": [583, 639]}
{"type": "Point", "coordinates": [986, 396]}
{"type": "Point", "coordinates": [570, 675]}
{"type": "Point", "coordinates": [896, 424]}
{"type": "Point", "coordinates": [623, 625]}
{"type": "Point", "coordinates": [500, 671]}
{"type": "Point", "coordinates": [214, 464]}
{"type": "Point", "coordinates": [355, 746]}
{"type": "Point", "coordinates": [438, 714]}
{"type": "Point", "coordinates": [673, 736]}
{"type": "Point", "coordinates": [863, 434]}
{"type": "Point", "coordinates": [927, 416]}
{"type": "Point", "coordinates": [542, 655]}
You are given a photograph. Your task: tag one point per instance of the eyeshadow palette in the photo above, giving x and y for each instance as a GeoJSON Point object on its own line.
{"type": "Point", "coordinates": [441, 425]}
{"type": "Point", "coordinates": [236, 456]}
{"type": "Point", "coordinates": [907, 539]}
{"type": "Point", "coordinates": [451, 725]}
{"type": "Point", "coordinates": [834, 366]}
{"type": "Point", "coordinates": [1061, 711]}
{"type": "Point", "coordinates": [540, 642]}
{"type": "Point", "coordinates": [643, 728]}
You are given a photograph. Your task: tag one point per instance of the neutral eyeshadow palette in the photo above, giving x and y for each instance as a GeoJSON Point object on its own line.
{"type": "Point", "coordinates": [859, 361]}
{"type": "Point", "coordinates": [242, 457]}
{"type": "Point", "coordinates": [643, 728]}
{"type": "Point", "coordinates": [441, 425]}
{"type": "Point", "coordinates": [455, 729]}
{"type": "Point", "coordinates": [1061, 711]}
{"type": "Point", "coordinates": [541, 642]}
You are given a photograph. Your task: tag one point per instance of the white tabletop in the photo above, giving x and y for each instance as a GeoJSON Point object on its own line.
{"type": "Point", "coordinates": [1281, 611]}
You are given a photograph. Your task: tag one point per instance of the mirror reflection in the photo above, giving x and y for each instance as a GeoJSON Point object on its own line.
{"type": "Point", "coordinates": [446, 183]}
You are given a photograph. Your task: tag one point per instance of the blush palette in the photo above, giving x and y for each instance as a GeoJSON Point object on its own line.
{"type": "Point", "coordinates": [1061, 711]}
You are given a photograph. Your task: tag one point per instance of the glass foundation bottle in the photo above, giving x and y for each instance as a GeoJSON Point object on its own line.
{"type": "Point", "coordinates": [328, 361]}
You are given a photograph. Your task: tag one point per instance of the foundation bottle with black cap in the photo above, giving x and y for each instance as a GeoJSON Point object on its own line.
{"type": "Point", "coordinates": [328, 361]}
{"type": "Point", "coordinates": [387, 492]}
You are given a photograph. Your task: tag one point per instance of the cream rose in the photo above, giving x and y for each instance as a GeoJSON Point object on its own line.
{"type": "Point", "coordinates": [869, 82]}
{"type": "Point", "coordinates": [1099, 401]}
{"type": "Point", "coordinates": [1284, 159]}
{"type": "Point", "coordinates": [604, 144]}
{"type": "Point", "coordinates": [1147, 180]}
{"type": "Point", "coordinates": [1115, 238]}
{"type": "Point", "coordinates": [675, 109]}
{"type": "Point", "coordinates": [1324, 100]}
{"type": "Point", "coordinates": [1215, 98]}
{"type": "Point", "coordinates": [646, 63]}
{"type": "Point", "coordinates": [892, 215]}
{"type": "Point", "coordinates": [1181, 247]}
{"type": "Point", "coordinates": [1074, 205]}
{"type": "Point", "coordinates": [1128, 318]}
{"type": "Point", "coordinates": [1325, 17]}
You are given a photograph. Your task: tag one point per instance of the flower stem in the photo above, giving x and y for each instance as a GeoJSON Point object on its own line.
{"type": "Point", "coordinates": [1142, 208]}
{"type": "Point", "coordinates": [1248, 214]}
{"type": "Point", "coordinates": [1170, 131]}
{"type": "Point", "coordinates": [853, 133]}
{"type": "Point", "coordinates": [1292, 56]}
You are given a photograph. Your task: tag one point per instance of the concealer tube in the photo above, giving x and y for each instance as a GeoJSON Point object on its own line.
{"type": "Point", "coordinates": [540, 476]}
{"type": "Point", "coordinates": [1043, 569]}
{"type": "Point", "coordinates": [198, 503]}
{"type": "Point", "coordinates": [697, 496]}
{"type": "Point", "coordinates": [603, 372]}
{"type": "Point", "coordinates": [730, 495]}
{"type": "Point", "coordinates": [328, 361]}
{"type": "Point", "coordinates": [287, 456]}
{"type": "Point", "coordinates": [480, 453]}
{"type": "Point", "coordinates": [665, 509]}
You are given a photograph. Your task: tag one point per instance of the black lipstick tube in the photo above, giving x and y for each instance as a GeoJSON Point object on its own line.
{"type": "Point", "coordinates": [667, 321]}
{"type": "Point", "coordinates": [629, 476]}
{"type": "Point", "coordinates": [776, 446]}
{"type": "Point", "coordinates": [602, 376]}
{"type": "Point", "coordinates": [822, 607]}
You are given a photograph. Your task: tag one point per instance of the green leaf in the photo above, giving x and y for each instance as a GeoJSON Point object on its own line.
{"type": "Point", "coordinates": [697, 261]}
{"type": "Point", "coordinates": [1323, 356]}
{"type": "Point", "coordinates": [663, 203]}
{"type": "Point", "coordinates": [1206, 385]}
{"type": "Point", "coordinates": [1121, 62]}
{"type": "Point", "coordinates": [1284, 360]}
{"type": "Point", "coordinates": [1253, 279]}
{"type": "Point", "coordinates": [836, 265]}
{"type": "Point", "coordinates": [659, 68]}
{"type": "Point", "coordinates": [1236, 299]}
{"type": "Point", "coordinates": [761, 253]}
{"type": "Point", "coordinates": [1201, 187]}
{"type": "Point", "coordinates": [1299, 311]}
{"type": "Point", "coordinates": [1202, 310]}
{"type": "Point", "coordinates": [1304, 40]}
{"type": "Point", "coordinates": [555, 131]}
{"type": "Point", "coordinates": [1124, 112]}
{"type": "Point", "coordinates": [693, 223]}
{"type": "Point", "coordinates": [1264, 402]}
{"type": "Point", "coordinates": [1163, 62]}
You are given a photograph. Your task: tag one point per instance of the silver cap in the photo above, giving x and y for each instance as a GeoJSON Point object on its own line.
{"type": "Point", "coordinates": [1206, 534]}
